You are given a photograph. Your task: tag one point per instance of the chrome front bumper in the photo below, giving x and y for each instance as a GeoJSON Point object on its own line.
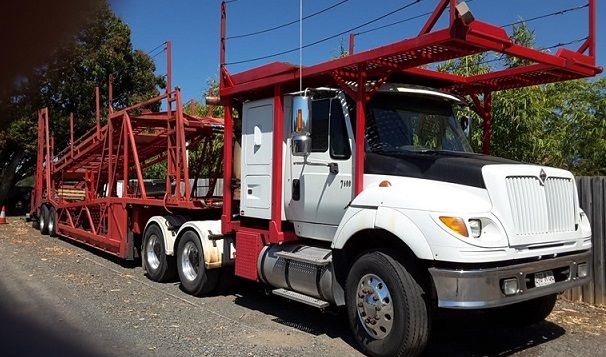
{"type": "Point", "coordinates": [481, 288]}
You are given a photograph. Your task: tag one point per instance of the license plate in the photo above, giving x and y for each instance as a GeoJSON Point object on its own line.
{"type": "Point", "coordinates": [544, 278]}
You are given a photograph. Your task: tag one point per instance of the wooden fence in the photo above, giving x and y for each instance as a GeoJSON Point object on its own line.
{"type": "Point", "coordinates": [592, 197]}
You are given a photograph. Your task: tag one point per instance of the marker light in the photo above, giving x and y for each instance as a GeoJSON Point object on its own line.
{"type": "Point", "coordinates": [456, 224]}
{"type": "Point", "coordinates": [582, 270]}
{"type": "Point", "coordinates": [299, 121]}
{"type": "Point", "coordinates": [385, 183]}
{"type": "Point", "coordinates": [509, 286]}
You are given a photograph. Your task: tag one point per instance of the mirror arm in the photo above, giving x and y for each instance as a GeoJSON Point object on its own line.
{"type": "Point", "coordinates": [332, 166]}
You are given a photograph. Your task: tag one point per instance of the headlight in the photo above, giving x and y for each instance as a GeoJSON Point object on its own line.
{"type": "Point", "coordinates": [475, 225]}
{"type": "Point", "coordinates": [478, 229]}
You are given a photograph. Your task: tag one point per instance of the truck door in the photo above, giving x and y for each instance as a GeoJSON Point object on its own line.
{"type": "Point", "coordinates": [321, 183]}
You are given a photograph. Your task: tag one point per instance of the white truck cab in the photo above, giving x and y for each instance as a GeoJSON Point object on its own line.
{"type": "Point", "coordinates": [490, 231]}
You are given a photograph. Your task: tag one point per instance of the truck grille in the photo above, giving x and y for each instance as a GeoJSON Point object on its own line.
{"type": "Point", "coordinates": [540, 209]}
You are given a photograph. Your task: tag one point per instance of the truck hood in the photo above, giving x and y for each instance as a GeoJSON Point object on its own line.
{"type": "Point", "coordinates": [446, 166]}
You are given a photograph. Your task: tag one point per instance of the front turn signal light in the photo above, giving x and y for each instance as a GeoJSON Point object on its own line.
{"type": "Point", "coordinates": [456, 224]}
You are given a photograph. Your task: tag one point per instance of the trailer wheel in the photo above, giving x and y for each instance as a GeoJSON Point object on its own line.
{"type": "Point", "coordinates": [158, 266]}
{"type": "Point", "coordinates": [195, 278]}
{"type": "Point", "coordinates": [43, 220]}
{"type": "Point", "coordinates": [52, 222]}
{"type": "Point", "coordinates": [386, 307]}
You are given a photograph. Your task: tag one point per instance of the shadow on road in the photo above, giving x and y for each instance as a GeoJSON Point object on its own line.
{"type": "Point", "coordinates": [30, 331]}
{"type": "Point", "coordinates": [459, 334]}
{"type": "Point", "coordinates": [473, 334]}
{"type": "Point", "coordinates": [296, 315]}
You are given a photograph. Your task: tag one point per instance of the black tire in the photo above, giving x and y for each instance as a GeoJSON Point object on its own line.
{"type": "Point", "coordinates": [158, 266]}
{"type": "Point", "coordinates": [526, 313]}
{"type": "Point", "coordinates": [43, 220]}
{"type": "Point", "coordinates": [195, 278]}
{"type": "Point", "coordinates": [52, 222]}
{"type": "Point", "coordinates": [410, 324]}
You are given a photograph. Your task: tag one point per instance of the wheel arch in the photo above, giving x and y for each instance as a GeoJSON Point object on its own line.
{"type": "Point", "coordinates": [217, 252]}
{"type": "Point", "coordinates": [169, 226]}
{"type": "Point", "coordinates": [358, 223]}
{"type": "Point", "coordinates": [383, 229]}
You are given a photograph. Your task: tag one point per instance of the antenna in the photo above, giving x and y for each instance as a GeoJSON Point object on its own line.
{"type": "Point", "coordinates": [300, 45]}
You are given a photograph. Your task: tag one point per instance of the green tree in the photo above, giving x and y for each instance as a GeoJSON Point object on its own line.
{"type": "Point", "coordinates": [65, 83]}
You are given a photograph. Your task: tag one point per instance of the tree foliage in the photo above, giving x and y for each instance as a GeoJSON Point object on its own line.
{"type": "Point", "coordinates": [561, 124]}
{"type": "Point", "coordinates": [66, 83]}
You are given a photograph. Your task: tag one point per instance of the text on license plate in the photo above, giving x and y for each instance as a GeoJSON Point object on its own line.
{"type": "Point", "coordinates": [544, 278]}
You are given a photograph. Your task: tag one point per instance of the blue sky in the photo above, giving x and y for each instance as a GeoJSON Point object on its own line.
{"type": "Point", "coordinates": [193, 28]}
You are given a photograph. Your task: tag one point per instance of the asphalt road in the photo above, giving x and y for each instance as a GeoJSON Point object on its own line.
{"type": "Point", "coordinates": [58, 298]}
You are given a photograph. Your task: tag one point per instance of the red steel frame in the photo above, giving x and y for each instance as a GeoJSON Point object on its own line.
{"type": "Point", "coordinates": [133, 139]}
{"type": "Point", "coordinates": [360, 75]}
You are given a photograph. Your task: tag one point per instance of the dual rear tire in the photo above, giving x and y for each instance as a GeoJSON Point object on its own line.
{"type": "Point", "coordinates": [47, 220]}
{"type": "Point", "coordinates": [195, 278]}
{"type": "Point", "coordinates": [158, 266]}
{"type": "Point", "coordinates": [187, 263]}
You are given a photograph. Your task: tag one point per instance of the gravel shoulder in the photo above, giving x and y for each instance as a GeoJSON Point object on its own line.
{"type": "Point", "coordinates": [61, 298]}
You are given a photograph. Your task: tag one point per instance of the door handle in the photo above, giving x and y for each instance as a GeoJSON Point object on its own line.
{"type": "Point", "coordinates": [333, 168]}
{"type": "Point", "coordinates": [296, 189]}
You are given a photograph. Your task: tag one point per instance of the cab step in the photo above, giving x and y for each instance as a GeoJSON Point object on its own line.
{"type": "Point", "coordinates": [302, 257]}
{"type": "Point", "coordinates": [298, 297]}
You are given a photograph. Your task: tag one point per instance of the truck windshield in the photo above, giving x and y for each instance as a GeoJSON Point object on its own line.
{"type": "Point", "coordinates": [397, 123]}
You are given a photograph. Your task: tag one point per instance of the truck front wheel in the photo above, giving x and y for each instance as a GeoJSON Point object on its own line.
{"type": "Point", "coordinates": [195, 278]}
{"type": "Point", "coordinates": [386, 307]}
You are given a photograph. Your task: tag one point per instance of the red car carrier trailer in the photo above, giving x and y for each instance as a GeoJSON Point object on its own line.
{"type": "Point", "coordinates": [349, 183]}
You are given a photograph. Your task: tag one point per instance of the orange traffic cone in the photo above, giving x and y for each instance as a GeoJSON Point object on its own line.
{"type": "Point", "coordinates": [3, 215]}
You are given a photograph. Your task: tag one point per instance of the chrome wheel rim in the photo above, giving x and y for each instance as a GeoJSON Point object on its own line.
{"type": "Point", "coordinates": [374, 306]}
{"type": "Point", "coordinates": [190, 261]}
{"type": "Point", "coordinates": [153, 249]}
{"type": "Point", "coordinates": [41, 221]}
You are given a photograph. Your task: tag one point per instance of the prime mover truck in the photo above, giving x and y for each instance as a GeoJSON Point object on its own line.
{"type": "Point", "coordinates": [350, 183]}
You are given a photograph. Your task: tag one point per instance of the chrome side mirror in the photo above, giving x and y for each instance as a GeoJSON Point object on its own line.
{"type": "Point", "coordinates": [301, 126]}
{"type": "Point", "coordinates": [300, 145]}
{"type": "Point", "coordinates": [301, 115]}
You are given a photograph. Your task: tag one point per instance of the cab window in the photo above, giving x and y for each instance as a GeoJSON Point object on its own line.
{"type": "Point", "coordinates": [319, 125]}
{"type": "Point", "coordinates": [327, 117]}
{"type": "Point", "coordinates": [339, 140]}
